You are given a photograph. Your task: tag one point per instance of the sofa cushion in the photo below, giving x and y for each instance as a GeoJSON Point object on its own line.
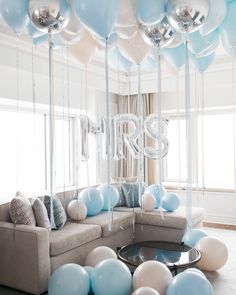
{"type": "Point", "coordinates": [121, 220]}
{"type": "Point", "coordinates": [71, 236]}
{"type": "Point", "coordinates": [176, 219]}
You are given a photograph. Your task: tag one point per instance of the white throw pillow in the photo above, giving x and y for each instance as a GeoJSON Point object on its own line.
{"type": "Point", "coordinates": [40, 214]}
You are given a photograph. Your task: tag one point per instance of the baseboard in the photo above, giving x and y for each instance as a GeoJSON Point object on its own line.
{"type": "Point", "coordinates": [219, 225]}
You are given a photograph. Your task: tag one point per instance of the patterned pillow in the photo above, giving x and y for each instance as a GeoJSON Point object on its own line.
{"type": "Point", "coordinates": [131, 193]}
{"type": "Point", "coordinates": [21, 211]}
{"type": "Point", "coordinates": [41, 214]}
{"type": "Point", "coordinates": [59, 213]}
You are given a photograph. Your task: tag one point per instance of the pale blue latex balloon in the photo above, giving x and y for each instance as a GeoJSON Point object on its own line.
{"type": "Point", "coordinates": [43, 40]}
{"type": "Point", "coordinates": [90, 271]}
{"type": "Point", "coordinates": [157, 191]}
{"type": "Point", "coordinates": [175, 56]}
{"type": "Point", "coordinates": [33, 32]}
{"type": "Point", "coordinates": [171, 202]}
{"type": "Point", "coordinates": [40, 40]}
{"type": "Point", "coordinates": [111, 277]}
{"type": "Point", "coordinates": [93, 200]}
{"type": "Point", "coordinates": [150, 12]}
{"type": "Point", "coordinates": [98, 15]}
{"type": "Point", "coordinates": [187, 283]}
{"type": "Point", "coordinates": [113, 193]}
{"type": "Point", "coordinates": [201, 64]}
{"type": "Point", "coordinates": [227, 29]}
{"type": "Point", "coordinates": [118, 61]}
{"type": "Point", "coordinates": [69, 279]}
{"type": "Point", "coordinates": [192, 236]}
{"type": "Point", "coordinates": [15, 14]}
{"type": "Point", "coordinates": [200, 45]}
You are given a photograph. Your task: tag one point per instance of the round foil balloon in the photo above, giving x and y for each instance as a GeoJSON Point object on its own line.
{"type": "Point", "coordinates": [187, 15]}
{"type": "Point", "coordinates": [49, 16]}
{"type": "Point", "coordinates": [159, 34]}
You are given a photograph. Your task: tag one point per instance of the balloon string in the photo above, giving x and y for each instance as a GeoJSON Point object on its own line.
{"type": "Point", "coordinates": [17, 115]}
{"type": "Point", "coordinates": [159, 114]}
{"type": "Point", "coordinates": [202, 131]}
{"type": "Point", "coordinates": [234, 121]}
{"type": "Point", "coordinates": [108, 138]}
{"type": "Point", "coordinates": [63, 132]}
{"type": "Point", "coordinates": [51, 129]}
{"type": "Point", "coordinates": [86, 99]}
{"type": "Point", "coordinates": [178, 130]}
{"type": "Point", "coordinates": [188, 139]}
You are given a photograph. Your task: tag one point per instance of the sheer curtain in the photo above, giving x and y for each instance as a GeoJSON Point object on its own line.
{"type": "Point", "coordinates": [127, 168]}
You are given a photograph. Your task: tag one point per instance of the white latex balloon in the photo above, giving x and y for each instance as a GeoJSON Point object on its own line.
{"type": "Point", "coordinates": [70, 39]}
{"type": "Point", "coordinates": [145, 291]}
{"type": "Point", "coordinates": [148, 202]}
{"type": "Point", "coordinates": [99, 254]}
{"type": "Point", "coordinates": [85, 49]}
{"type": "Point", "coordinates": [152, 274]}
{"type": "Point", "coordinates": [217, 13]}
{"type": "Point", "coordinates": [214, 253]}
{"type": "Point", "coordinates": [126, 32]}
{"type": "Point", "coordinates": [126, 13]}
{"type": "Point", "coordinates": [74, 26]}
{"type": "Point", "coordinates": [134, 48]}
{"type": "Point", "coordinates": [76, 210]}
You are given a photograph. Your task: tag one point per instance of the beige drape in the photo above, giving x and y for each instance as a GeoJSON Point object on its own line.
{"type": "Point", "coordinates": [127, 168]}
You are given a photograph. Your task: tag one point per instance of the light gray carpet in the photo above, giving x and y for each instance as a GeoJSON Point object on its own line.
{"type": "Point", "coordinates": [223, 281]}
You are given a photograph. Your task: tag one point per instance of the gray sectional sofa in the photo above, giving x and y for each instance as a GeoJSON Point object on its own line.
{"type": "Point", "coordinates": [28, 254]}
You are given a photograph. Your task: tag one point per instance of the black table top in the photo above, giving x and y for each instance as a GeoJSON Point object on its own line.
{"type": "Point", "coordinates": [173, 255]}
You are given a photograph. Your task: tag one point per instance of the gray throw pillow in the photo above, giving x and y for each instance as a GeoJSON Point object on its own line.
{"type": "Point", "coordinates": [131, 194]}
{"type": "Point", "coordinates": [40, 214]}
{"type": "Point", "coordinates": [21, 211]}
{"type": "Point", "coordinates": [121, 202]}
{"type": "Point", "coordinates": [59, 213]}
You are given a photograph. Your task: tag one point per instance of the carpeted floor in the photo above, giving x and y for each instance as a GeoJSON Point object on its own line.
{"type": "Point", "coordinates": [223, 281]}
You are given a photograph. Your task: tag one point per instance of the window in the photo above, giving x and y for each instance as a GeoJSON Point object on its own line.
{"type": "Point", "coordinates": [213, 161]}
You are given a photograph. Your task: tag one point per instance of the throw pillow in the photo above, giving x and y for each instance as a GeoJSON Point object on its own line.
{"type": "Point", "coordinates": [21, 211]}
{"type": "Point", "coordinates": [59, 213]}
{"type": "Point", "coordinates": [40, 214]}
{"type": "Point", "coordinates": [121, 202]}
{"type": "Point", "coordinates": [131, 194]}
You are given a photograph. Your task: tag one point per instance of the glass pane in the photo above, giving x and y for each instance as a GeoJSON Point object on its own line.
{"type": "Point", "coordinates": [22, 153]}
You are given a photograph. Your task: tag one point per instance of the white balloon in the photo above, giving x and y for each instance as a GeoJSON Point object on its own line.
{"type": "Point", "coordinates": [85, 49]}
{"type": "Point", "coordinates": [76, 210]}
{"type": "Point", "coordinates": [99, 254]}
{"type": "Point", "coordinates": [217, 13]}
{"type": "Point", "coordinates": [126, 32]}
{"type": "Point", "coordinates": [134, 48]}
{"type": "Point", "coordinates": [126, 13]}
{"type": "Point", "coordinates": [214, 253]}
{"type": "Point", "coordinates": [152, 274]}
{"type": "Point", "coordinates": [74, 26]}
{"type": "Point", "coordinates": [148, 202]}
{"type": "Point", "coordinates": [70, 39]}
{"type": "Point", "coordinates": [145, 291]}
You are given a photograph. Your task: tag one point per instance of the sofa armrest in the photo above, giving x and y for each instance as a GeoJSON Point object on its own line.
{"type": "Point", "coordinates": [24, 257]}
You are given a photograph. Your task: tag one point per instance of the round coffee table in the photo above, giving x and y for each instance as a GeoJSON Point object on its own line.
{"type": "Point", "coordinates": [173, 255]}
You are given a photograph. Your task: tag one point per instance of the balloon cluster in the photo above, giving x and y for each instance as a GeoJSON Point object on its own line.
{"type": "Point", "coordinates": [104, 274]}
{"type": "Point", "coordinates": [132, 29]}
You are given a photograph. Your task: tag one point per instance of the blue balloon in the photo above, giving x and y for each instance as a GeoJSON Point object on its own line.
{"type": "Point", "coordinates": [175, 56]}
{"type": "Point", "coordinates": [157, 191]}
{"type": "Point", "coordinates": [187, 283]}
{"type": "Point", "coordinates": [15, 14]}
{"type": "Point", "coordinates": [150, 12]}
{"type": "Point", "coordinates": [201, 64]}
{"type": "Point", "coordinates": [40, 40]}
{"type": "Point", "coordinates": [227, 29]}
{"type": "Point", "coordinates": [192, 236]}
{"type": "Point", "coordinates": [195, 270]}
{"type": "Point", "coordinates": [98, 15]}
{"type": "Point", "coordinates": [90, 271]}
{"type": "Point", "coordinates": [118, 61]}
{"type": "Point", "coordinates": [203, 45]}
{"type": "Point", "coordinates": [113, 193]}
{"type": "Point", "coordinates": [69, 279]}
{"type": "Point", "coordinates": [171, 202]}
{"type": "Point", "coordinates": [111, 276]}
{"type": "Point", "coordinates": [93, 200]}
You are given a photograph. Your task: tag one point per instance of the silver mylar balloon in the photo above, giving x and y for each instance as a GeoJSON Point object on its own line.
{"type": "Point", "coordinates": [159, 34]}
{"type": "Point", "coordinates": [187, 15]}
{"type": "Point", "coordinates": [49, 16]}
